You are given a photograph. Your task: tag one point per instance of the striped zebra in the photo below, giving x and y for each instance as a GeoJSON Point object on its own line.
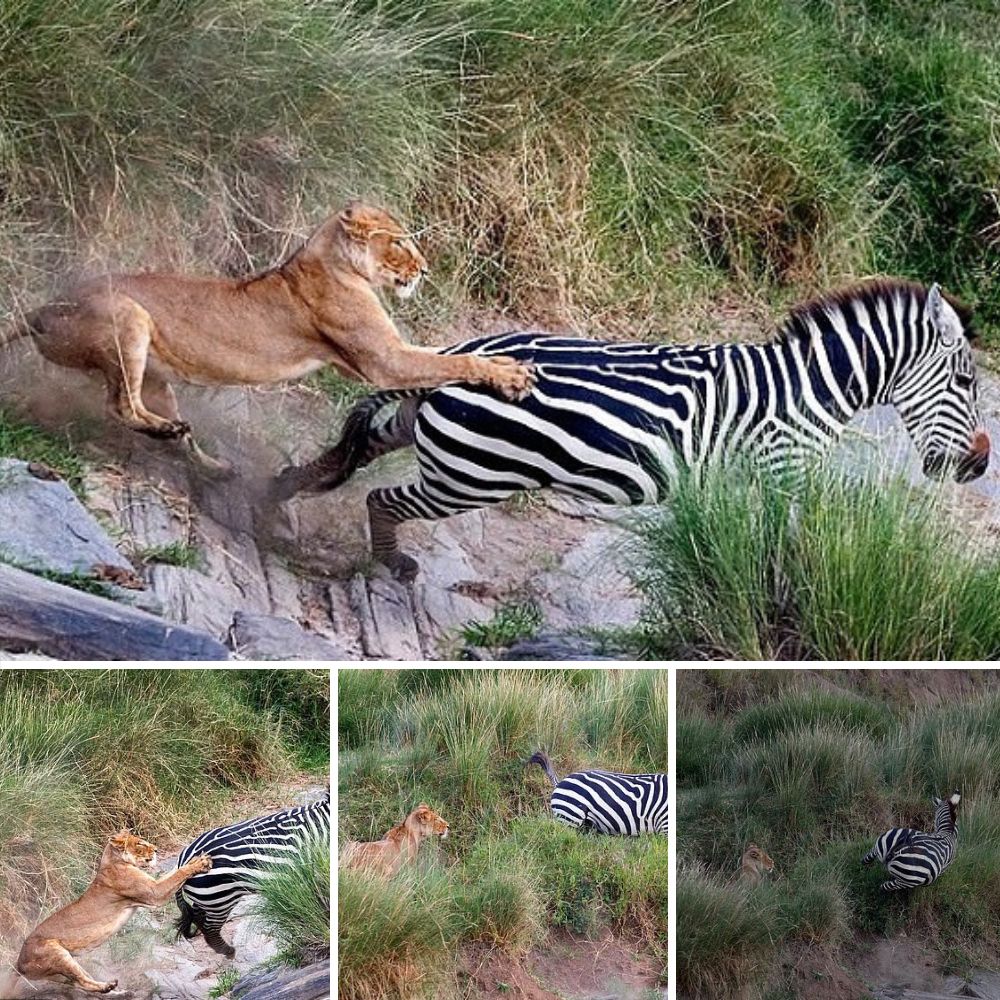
{"type": "Point", "coordinates": [914, 858]}
{"type": "Point", "coordinates": [613, 422]}
{"type": "Point", "coordinates": [241, 855]}
{"type": "Point", "coordinates": [621, 804]}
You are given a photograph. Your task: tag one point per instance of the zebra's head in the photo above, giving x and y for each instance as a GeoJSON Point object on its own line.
{"type": "Point", "coordinates": [946, 811]}
{"type": "Point", "coordinates": [936, 394]}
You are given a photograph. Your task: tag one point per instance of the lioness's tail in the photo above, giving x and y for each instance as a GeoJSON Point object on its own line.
{"type": "Point", "coordinates": [541, 758]}
{"type": "Point", "coordinates": [187, 924]}
{"type": "Point", "coordinates": [337, 464]}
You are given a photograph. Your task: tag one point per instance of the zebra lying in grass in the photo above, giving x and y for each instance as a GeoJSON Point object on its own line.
{"type": "Point", "coordinates": [241, 855]}
{"type": "Point", "coordinates": [613, 422]}
{"type": "Point", "coordinates": [621, 804]}
{"type": "Point", "coordinates": [914, 858]}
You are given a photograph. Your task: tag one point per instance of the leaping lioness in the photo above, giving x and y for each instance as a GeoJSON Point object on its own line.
{"type": "Point", "coordinates": [320, 307]}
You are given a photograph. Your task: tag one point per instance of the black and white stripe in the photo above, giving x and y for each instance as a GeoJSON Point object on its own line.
{"type": "Point", "coordinates": [621, 804]}
{"type": "Point", "coordinates": [613, 422]}
{"type": "Point", "coordinates": [242, 854]}
{"type": "Point", "coordinates": [914, 858]}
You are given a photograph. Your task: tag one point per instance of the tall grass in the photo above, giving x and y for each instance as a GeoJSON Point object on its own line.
{"type": "Point", "coordinates": [294, 904]}
{"type": "Point", "coordinates": [598, 163]}
{"type": "Point", "coordinates": [507, 872]}
{"type": "Point", "coordinates": [814, 776]}
{"type": "Point", "coordinates": [741, 565]}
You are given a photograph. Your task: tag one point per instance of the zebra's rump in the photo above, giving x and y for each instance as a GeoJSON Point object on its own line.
{"type": "Point", "coordinates": [620, 804]}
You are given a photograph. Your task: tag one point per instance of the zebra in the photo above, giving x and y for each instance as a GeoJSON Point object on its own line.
{"type": "Point", "coordinates": [621, 804]}
{"type": "Point", "coordinates": [613, 422]}
{"type": "Point", "coordinates": [914, 858]}
{"type": "Point", "coordinates": [241, 855]}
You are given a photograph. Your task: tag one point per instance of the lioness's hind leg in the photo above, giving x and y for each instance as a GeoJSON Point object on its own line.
{"type": "Point", "coordinates": [124, 361]}
{"type": "Point", "coordinates": [52, 959]}
{"type": "Point", "coordinates": [161, 399]}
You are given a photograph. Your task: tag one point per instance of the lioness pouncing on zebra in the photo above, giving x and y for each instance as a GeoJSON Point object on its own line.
{"type": "Point", "coordinates": [621, 804]}
{"type": "Point", "coordinates": [241, 855]}
{"type": "Point", "coordinates": [612, 422]}
{"type": "Point", "coordinates": [914, 858]}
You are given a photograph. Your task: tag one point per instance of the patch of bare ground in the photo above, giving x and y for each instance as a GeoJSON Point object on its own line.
{"type": "Point", "coordinates": [564, 967]}
{"type": "Point", "coordinates": [902, 960]}
{"type": "Point", "coordinates": [812, 972]}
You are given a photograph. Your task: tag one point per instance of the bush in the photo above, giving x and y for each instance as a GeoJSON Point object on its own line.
{"type": "Point", "coordinates": [737, 564]}
{"type": "Point", "coordinates": [294, 904]}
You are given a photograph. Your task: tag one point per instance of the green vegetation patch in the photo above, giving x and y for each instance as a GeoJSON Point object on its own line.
{"type": "Point", "coordinates": [30, 444]}
{"type": "Point", "coordinates": [740, 564]}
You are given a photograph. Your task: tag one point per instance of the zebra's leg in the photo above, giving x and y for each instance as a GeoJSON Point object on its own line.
{"type": "Point", "coordinates": [389, 507]}
{"type": "Point", "coordinates": [894, 884]}
{"type": "Point", "coordinates": [215, 940]}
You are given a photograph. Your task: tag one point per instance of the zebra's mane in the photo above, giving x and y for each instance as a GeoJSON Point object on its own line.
{"type": "Point", "coordinates": [802, 318]}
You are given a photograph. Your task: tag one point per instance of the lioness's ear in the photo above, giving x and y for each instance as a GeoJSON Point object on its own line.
{"type": "Point", "coordinates": [120, 838]}
{"type": "Point", "coordinates": [353, 221]}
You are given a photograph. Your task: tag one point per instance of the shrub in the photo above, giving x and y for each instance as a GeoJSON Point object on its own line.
{"type": "Point", "coordinates": [294, 904]}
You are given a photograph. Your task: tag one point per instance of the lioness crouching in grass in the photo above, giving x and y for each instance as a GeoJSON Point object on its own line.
{"type": "Point", "coordinates": [386, 856]}
{"type": "Point", "coordinates": [320, 307]}
{"type": "Point", "coordinates": [119, 889]}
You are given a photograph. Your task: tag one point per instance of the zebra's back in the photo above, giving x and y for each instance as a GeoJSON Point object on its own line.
{"type": "Point", "coordinates": [618, 804]}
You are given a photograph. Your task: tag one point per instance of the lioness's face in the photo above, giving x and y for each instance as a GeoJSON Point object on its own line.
{"type": "Point", "coordinates": [430, 823]}
{"type": "Point", "coordinates": [393, 259]}
{"type": "Point", "coordinates": [760, 857]}
{"type": "Point", "coordinates": [134, 850]}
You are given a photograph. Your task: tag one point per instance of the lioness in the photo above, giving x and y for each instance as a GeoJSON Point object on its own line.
{"type": "Point", "coordinates": [320, 307]}
{"type": "Point", "coordinates": [119, 889]}
{"type": "Point", "coordinates": [386, 856]}
{"type": "Point", "coordinates": [754, 863]}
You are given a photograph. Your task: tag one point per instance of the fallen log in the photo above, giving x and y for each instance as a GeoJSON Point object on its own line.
{"type": "Point", "coordinates": [38, 614]}
{"type": "Point", "coordinates": [309, 983]}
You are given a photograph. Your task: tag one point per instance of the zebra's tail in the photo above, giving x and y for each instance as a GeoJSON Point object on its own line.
{"type": "Point", "coordinates": [337, 464]}
{"type": "Point", "coordinates": [187, 924]}
{"type": "Point", "coordinates": [541, 758]}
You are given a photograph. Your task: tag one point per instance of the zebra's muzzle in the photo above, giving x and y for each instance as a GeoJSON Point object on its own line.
{"type": "Point", "coordinates": [971, 465]}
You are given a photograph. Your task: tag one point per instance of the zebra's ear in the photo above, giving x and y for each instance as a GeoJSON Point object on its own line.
{"type": "Point", "coordinates": [940, 315]}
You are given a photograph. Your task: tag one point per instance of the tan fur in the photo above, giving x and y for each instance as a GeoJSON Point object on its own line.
{"type": "Point", "coordinates": [754, 864]}
{"type": "Point", "coordinates": [119, 889]}
{"type": "Point", "coordinates": [320, 307]}
{"type": "Point", "coordinates": [386, 856]}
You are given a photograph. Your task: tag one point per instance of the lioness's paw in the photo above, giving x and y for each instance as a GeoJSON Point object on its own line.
{"type": "Point", "coordinates": [108, 987]}
{"type": "Point", "coordinates": [513, 379]}
{"type": "Point", "coordinates": [203, 863]}
{"type": "Point", "coordinates": [170, 429]}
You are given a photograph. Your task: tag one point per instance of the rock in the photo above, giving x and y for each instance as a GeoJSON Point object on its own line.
{"type": "Point", "coordinates": [45, 528]}
{"type": "Point", "coordinates": [557, 646]}
{"type": "Point", "coordinates": [268, 637]}
{"type": "Point", "coordinates": [309, 983]}
{"type": "Point", "coordinates": [588, 588]}
{"type": "Point", "coordinates": [388, 628]}
{"type": "Point", "coordinates": [193, 598]}
{"type": "Point", "coordinates": [36, 614]}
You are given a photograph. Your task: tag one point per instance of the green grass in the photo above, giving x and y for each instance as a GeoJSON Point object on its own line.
{"type": "Point", "coordinates": [228, 978]}
{"type": "Point", "coordinates": [83, 753]}
{"type": "Point", "coordinates": [739, 565]}
{"type": "Point", "coordinates": [507, 873]}
{"type": "Point", "coordinates": [510, 623]}
{"type": "Point", "coordinates": [813, 775]}
{"type": "Point", "coordinates": [294, 905]}
{"type": "Point", "coordinates": [172, 554]}
{"type": "Point", "coordinates": [29, 444]}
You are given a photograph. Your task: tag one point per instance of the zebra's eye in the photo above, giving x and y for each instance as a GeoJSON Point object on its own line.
{"type": "Point", "coordinates": [963, 380]}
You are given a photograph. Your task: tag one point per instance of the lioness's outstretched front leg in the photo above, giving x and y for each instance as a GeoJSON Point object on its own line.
{"type": "Point", "coordinates": [153, 892]}
{"type": "Point", "coordinates": [406, 367]}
